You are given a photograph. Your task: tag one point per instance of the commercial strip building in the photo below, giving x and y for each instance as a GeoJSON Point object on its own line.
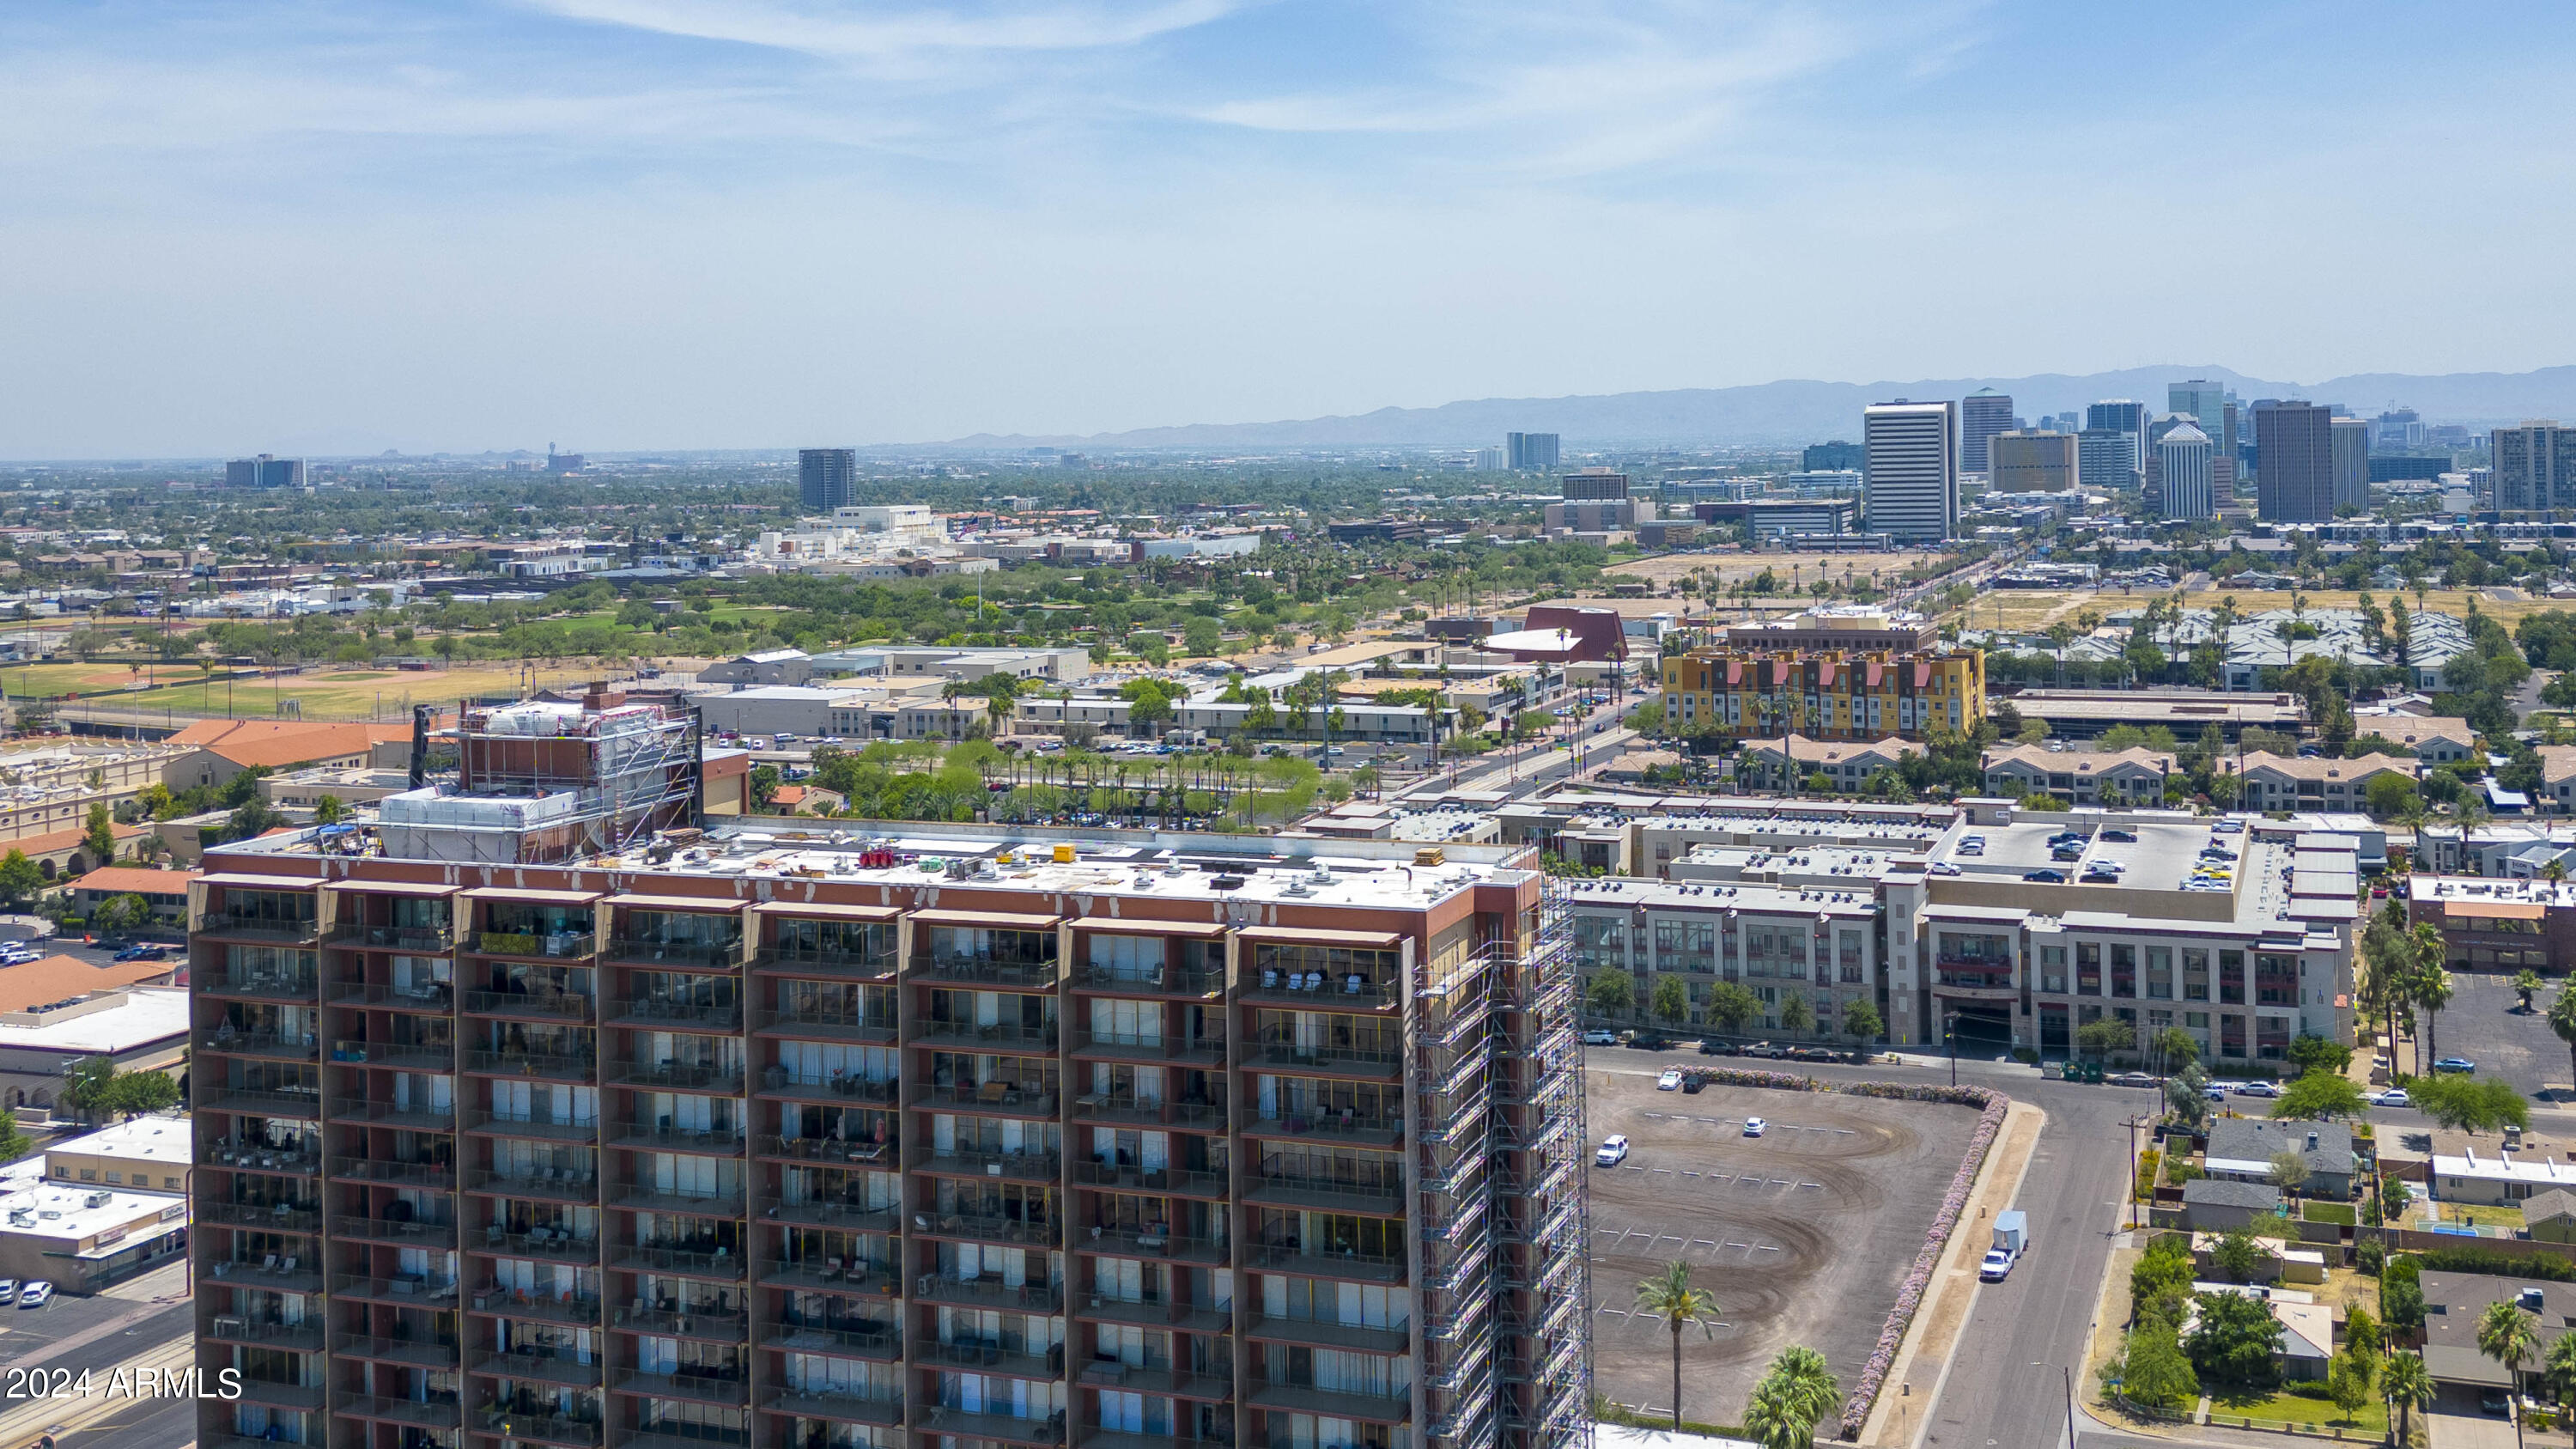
{"type": "Point", "coordinates": [1827, 675]}
{"type": "Point", "coordinates": [987, 1137]}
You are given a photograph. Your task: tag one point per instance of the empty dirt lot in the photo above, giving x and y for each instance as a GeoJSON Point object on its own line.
{"type": "Point", "coordinates": [1803, 1234]}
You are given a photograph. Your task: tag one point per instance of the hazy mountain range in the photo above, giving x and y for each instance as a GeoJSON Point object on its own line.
{"type": "Point", "coordinates": [1804, 412]}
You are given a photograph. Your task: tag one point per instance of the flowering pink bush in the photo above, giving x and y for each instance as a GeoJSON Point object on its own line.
{"type": "Point", "coordinates": [1991, 1107]}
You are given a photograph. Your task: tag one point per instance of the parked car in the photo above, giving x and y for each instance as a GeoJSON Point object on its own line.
{"type": "Point", "coordinates": [1647, 1041]}
{"type": "Point", "coordinates": [2455, 1064]}
{"type": "Point", "coordinates": [1711, 1047]}
{"type": "Point", "coordinates": [1755, 1126]}
{"type": "Point", "coordinates": [2045, 877]}
{"type": "Point", "coordinates": [2133, 1079]}
{"type": "Point", "coordinates": [2258, 1089]}
{"type": "Point", "coordinates": [1614, 1150]}
{"type": "Point", "coordinates": [1600, 1036]}
{"type": "Point", "coordinates": [2393, 1097]}
{"type": "Point", "coordinates": [8, 1289]}
{"type": "Point", "coordinates": [2124, 837]}
{"type": "Point", "coordinates": [2067, 852]}
{"type": "Point", "coordinates": [1998, 1263]}
{"type": "Point", "coordinates": [1670, 1081]}
{"type": "Point", "coordinates": [1766, 1049]}
{"type": "Point", "coordinates": [1814, 1054]}
{"type": "Point", "coordinates": [36, 1295]}
{"type": "Point", "coordinates": [2494, 1404]}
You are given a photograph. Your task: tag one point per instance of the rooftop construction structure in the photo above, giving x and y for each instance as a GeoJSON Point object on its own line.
{"type": "Point", "coordinates": [542, 781]}
{"type": "Point", "coordinates": [962, 1138]}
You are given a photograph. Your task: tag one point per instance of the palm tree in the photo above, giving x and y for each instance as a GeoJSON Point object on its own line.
{"type": "Point", "coordinates": [2507, 1335]}
{"type": "Point", "coordinates": [1793, 1397]}
{"type": "Point", "coordinates": [2429, 987]}
{"type": "Point", "coordinates": [2562, 1019]}
{"type": "Point", "coordinates": [2526, 983]}
{"type": "Point", "coordinates": [2558, 1367]}
{"type": "Point", "coordinates": [1670, 1297]}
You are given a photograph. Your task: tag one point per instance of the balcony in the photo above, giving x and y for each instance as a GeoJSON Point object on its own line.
{"type": "Point", "coordinates": [1349, 1337]}
{"type": "Point", "coordinates": [678, 1077]}
{"type": "Point", "coordinates": [997, 1036]}
{"type": "Point", "coordinates": [520, 1303]}
{"type": "Point", "coordinates": [531, 1005]}
{"type": "Point", "coordinates": [1972, 986]}
{"type": "Point", "coordinates": [251, 985]}
{"type": "Point", "coordinates": [426, 1352]}
{"type": "Point", "coordinates": [550, 1245]}
{"type": "Point", "coordinates": [826, 1024]}
{"type": "Point", "coordinates": [558, 1184]}
{"type": "Point", "coordinates": [706, 1142]}
{"type": "Point", "coordinates": [438, 1177]}
{"type": "Point", "coordinates": [884, 1409]}
{"type": "Point", "coordinates": [1182, 1314]}
{"type": "Point", "coordinates": [986, 971]}
{"type": "Point", "coordinates": [423, 1413]}
{"type": "Point", "coordinates": [1377, 1408]}
{"type": "Point", "coordinates": [1383, 1065]}
{"type": "Point", "coordinates": [883, 1344]}
{"type": "Point", "coordinates": [305, 1337]}
{"type": "Point", "coordinates": [704, 1324]}
{"type": "Point", "coordinates": [583, 1069]}
{"type": "Point", "coordinates": [992, 1358]}
{"type": "Point", "coordinates": [499, 1420]}
{"type": "Point", "coordinates": [415, 1292]}
{"type": "Point", "coordinates": [298, 1047]}
{"type": "Point", "coordinates": [989, 1228]}
{"type": "Point", "coordinates": [1324, 1194]}
{"type": "Point", "coordinates": [702, 1388]}
{"type": "Point", "coordinates": [1186, 1181]}
{"type": "Point", "coordinates": [993, 1099]}
{"type": "Point", "coordinates": [413, 940]}
{"type": "Point", "coordinates": [432, 998]}
{"type": "Point", "coordinates": [858, 1276]}
{"type": "Point", "coordinates": [988, 1291]}
{"type": "Point", "coordinates": [1170, 981]}
{"type": "Point", "coordinates": [480, 1122]}
{"type": "Point", "coordinates": [684, 1262]}
{"type": "Point", "coordinates": [941, 1419]}
{"type": "Point", "coordinates": [441, 1236]}
{"type": "Point", "coordinates": [528, 946]}
{"type": "Point", "coordinates": [1338, 993]}
{"type": "Point", "coordinates": [1353, 1128]}
{"type": "Point", "coordinates": [646, 1197]}
{"type": "Point", "coordinates": [1328, 1263]}
{"type": "Point", "coordinates": [693, 955]}
{"type": "Point", "coordinates": [1137, 1047]}
{"type": "Point", "coordinates": [262, 1159]}
{"type": "Point", "coordinates": [776, 1081]}
{"type": "Point", "coordinates": [280, 1396]}
{"type": "Point", "coordinates": [840, 965]}
{"type": "Point", "coordinates": [1166, 1247]}
{"type": "Point", "coordinates": [216, 925]}
{"type": "Point", "coordinates": [532, 1367]}
{"type": "Point", "coordinates": [438, 1057]}
{"type": "Point", "coordinates": [824, 1149]}
{"type": "Point", "coordinates": [289, 1275]}
{"type": "Point", "coordinates": [269, 1217]}
{"type": "Point", "coordinates": [827, 1213]}
{"type": "Point", "coordinates": [1156, 1378]}
{"type": "Point", "coordinates": [663, 1014]}
{"type": "Point", "coordinates": [389, 1114]}
{"type": "Point", "coordinates": [1011, 1166]}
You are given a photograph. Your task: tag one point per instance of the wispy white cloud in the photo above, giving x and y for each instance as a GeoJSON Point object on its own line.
{"type": "Point", "coordinates": [856, 31]}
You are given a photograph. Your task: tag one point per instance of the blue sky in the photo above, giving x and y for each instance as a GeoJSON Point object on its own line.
{"type": "Point", "coordinates": [322, 226]}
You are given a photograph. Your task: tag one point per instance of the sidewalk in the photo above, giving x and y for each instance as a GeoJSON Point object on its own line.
{"type": "Point", "coordinates": [1923, 1359]}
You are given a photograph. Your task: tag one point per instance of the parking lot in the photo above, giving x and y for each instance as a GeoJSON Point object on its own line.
{"type": "Point", "coordinates": [1803, 1234]}
{"type": "Point", "coordinates": [2483, 1025]}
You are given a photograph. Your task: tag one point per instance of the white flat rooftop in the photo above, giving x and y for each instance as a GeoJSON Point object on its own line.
{"type": "Point", "coordinates": [149, 1014]}
{"type": "Point", "coordinates": [145, 1139]}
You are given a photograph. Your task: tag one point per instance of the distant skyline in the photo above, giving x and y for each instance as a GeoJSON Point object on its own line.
{"type": "Point", "coordinates": [453, 225]}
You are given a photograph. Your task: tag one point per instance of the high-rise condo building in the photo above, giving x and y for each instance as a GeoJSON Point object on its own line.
{"type": "Point", "coordinates": [1532, 452]}
{"type": "Point", "coordinates": [2183, 473]}
{"type": "Point", "coordinates": [264, 471]}
{"type": "Point", "coordinates": [2042, 461]}
{"type": "Point", "coordinates": [2126, 415]}
{"type": "Point", "coordinates": [2350, 443]}
{"type": "Point", "coordinates": [2212, 406]}
{"type": "Point", "coordinates": [2534, 466]}
{"type": "Point", "coordinates": [1982, 414]}
{"type": "Point", "coordinates": [827, 478]}
{"type": "Point", "coordinates": [554, 1118]}
{"type": "Point", "coordinates": [2294, 450]}
{"type": "Point", "coordinates": [1910, 487]}
{"type": "Point", "coordinates": [1832, 457]}
{"type": "Point", "coordinates": [2106, 460]}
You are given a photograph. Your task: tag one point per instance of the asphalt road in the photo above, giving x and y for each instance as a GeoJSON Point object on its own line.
{"type": "Point", "coordinates": [2006, 1384]}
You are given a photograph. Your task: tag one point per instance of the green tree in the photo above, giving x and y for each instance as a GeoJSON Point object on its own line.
{"type": "Point", "coordinates": [2235, 1338]}
{"type": "Point", "coordinates": [1861, 1022]}
{"type": "Point", "coordinates": [2153, 1368]}
{"type": "Point", "coordinates": [1795, 1014]}
{"type": "Point", "coordinates": [2509, 1335]}
{"type": "Point", "coordinates": [2526, 984]}
{"type": "Point", "coordinates": [2320, 1095]}
{"type": "Point", "coordinates": [764, 785]}
{"type": "Point", "coordinates": [2105, 1035]}
{"type": "Point", "coordinates": [2348, 1380]}
{"type": "Point", "coordinates": [2174, 1048]}
{"type": "Point", "coordinates": [330, 810]}
{"type": "Point", "coordinates": [1202, 635]}
{"type": "Point", "coordinates": [2558, 1368]}
{"type": "Point", "coordinates": [1669, 1296]}
{"type": "Point", "coordinates": [2187, 1096]}
{"type": "Point", "coordinates": [2408, 1388]}
{"type": "Point", "coordinates": [2466, 1104]}
{"type": "Point", "coordinates": [2289, 1171]}
{"type": "Point", "coordinates": [2430, 987]}
{"type": "Point", "coordinates": [2312, 1053]}
{"type": "Point", "coordinates": [99, 835]}
{"type": "Point", "coordinates": [2160, 1281]}
{"type": "Point", "coordinates": [119, 915]}
{"type": "Point", "coordinates": [1794, 1395]}
{"type": "Point", "coordinates": [1672, 998]}
{"type": "Point", "coordinates": [135, 1093]}
{"type": "Point", "coordinates": [2391, 795]}
{"type": "Point", "coordinates": [1731, 1004]}
{"type": "Point", "coordinates": [86, 1085]}
{"type": "Point", "coordinates": [20, 879]}
{"type": "Point", "coordinates": [2237, 1255]}
{"type": "Point", "coordinates": [2363, 1332]}
{"type": "Point", "coordinates": [1611, 993]}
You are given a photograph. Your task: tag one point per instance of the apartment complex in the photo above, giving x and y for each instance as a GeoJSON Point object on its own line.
{"type": "Point", "coordinates": [2535, 466]}
{"type": "Point", "coordinates": [782, 1140]}
{"type": "Point", "coordinates": [1828, 676]}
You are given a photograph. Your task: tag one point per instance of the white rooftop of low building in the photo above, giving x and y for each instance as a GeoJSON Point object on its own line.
{"type": "Point", "coordinates": [155, 1139]}
{"type": "Point", "coordinates": [148, 1014]}
{"type": "Point", "coordinates": [1860, 900]}
{"type": "Point", "coordinates": [74, 1211]}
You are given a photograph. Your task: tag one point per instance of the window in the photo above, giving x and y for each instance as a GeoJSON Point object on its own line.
{"type": "Point", "coordinates": [115, 1176]}
{"type": "Point", "coordinates": [170, 1182]}
{"type": "Point", "coordinates": [89, 1174]}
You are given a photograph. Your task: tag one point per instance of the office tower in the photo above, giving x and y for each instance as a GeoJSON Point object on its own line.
{"type": "Point", "coordinates": [2213, 407]}
{"type": "Point", "coordinates": [1834, 457]}
{"type": "Point", "coordinates": [2106, 460]}
{"type": "Point", "coordinates": [1910, 488]}
{"type": "Point", "coordinates": [2183, 473]}
{"type": "Point", "coordinates": [2031, 462]}
{"type": "Point", "coordinates": [264, 471]}
{"type": "Point", "coordinates": [1982, 414]}
{"type": "Point", "coordinates": [2349, 440]}
{"type": "Point", "coordinates": [759, 1138]}
{"type": "Point", "coordinates": [2151, 488]}
{"type": "Point", "coordinates": [2294, 446]}
{"type": "Point", "coordinates": [827, 478]}
{"type": "Point", "coordinates": [2125, 415]}
{"type": "Point", "coordinates": [1532, 452]}
{"type": "Point", "coordinates": [1593, 485]}
{"type": "Point", "coordinates": [2398, 428]}
{"type": "Point", "coordinates": [2533, 466]}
